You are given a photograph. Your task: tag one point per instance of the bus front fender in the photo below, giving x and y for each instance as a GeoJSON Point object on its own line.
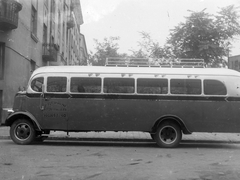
{"type": "Point", "coordinates": [16, 115]}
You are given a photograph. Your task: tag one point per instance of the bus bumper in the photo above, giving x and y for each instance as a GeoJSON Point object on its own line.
{"type": "Point", "coordinates": [5, 113]}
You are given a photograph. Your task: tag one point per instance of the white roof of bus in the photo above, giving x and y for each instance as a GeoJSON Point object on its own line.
{"type": "Point", "coordinates": [136, 70]}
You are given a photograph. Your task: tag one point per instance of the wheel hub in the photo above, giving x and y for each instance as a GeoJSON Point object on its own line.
{"type": "Point", "coordinates": [168, 135]}
{"type": "Point", "coordinates": [22, 131]}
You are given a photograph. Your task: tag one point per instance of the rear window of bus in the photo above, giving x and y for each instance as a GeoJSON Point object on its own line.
{"type": "Point", "coordinates": [214, 87]}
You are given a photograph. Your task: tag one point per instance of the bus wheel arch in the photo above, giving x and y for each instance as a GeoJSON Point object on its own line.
{"type": "Point", "coordinates": [168, 132]}
{"type": "Point", "coordinates": [26, 116]}
{"type": "Point", "coordinates": [172, 119]}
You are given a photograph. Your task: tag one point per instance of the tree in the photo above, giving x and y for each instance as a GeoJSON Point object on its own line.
{"type": "Point", "coordinates": [105, 49]}
{"type": "Point", "coordinates": [206, 36]}
{"type": "Point", "coordinates": [148, 48]}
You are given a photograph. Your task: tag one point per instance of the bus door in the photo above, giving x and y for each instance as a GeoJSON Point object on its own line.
{"type": "Point", "coordinates": [55, 104]}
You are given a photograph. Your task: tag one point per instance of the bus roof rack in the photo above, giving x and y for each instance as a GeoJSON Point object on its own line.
{"type": "Point", "coordinates": [155, 62]}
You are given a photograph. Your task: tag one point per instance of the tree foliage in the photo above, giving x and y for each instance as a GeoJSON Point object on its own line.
{"type": "Point", "coordinates": [201, 36]}
{"type": "Point", "coordinates": [148, 48]}
{"type": "Point", "coordinates": [108, 48]}
{"type": "Point", "coordinates": [206, 36]}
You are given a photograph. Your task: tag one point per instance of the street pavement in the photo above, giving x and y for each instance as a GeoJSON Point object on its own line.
{"type": "Point", "coordinates": [133, 136]}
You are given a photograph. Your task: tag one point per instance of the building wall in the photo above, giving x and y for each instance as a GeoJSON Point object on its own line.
{"type": "Point", "coordinates": [234, 62]}
{"type": "Point", "coordinates": [23, 50]}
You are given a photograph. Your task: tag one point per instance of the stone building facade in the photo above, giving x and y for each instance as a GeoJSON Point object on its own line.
{"type": "Point", "coordinates": [234, 62]}
{"type": "Point", "coordinates": [35, 33]}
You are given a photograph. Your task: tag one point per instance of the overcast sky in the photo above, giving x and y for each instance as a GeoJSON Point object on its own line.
{"type": "Point", "coordinates": [126, 18]}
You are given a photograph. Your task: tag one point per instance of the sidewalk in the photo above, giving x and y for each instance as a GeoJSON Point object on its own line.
{"type": "Point", "coordinates": [133, 136]}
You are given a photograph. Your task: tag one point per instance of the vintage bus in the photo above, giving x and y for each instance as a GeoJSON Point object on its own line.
{"type": "Point", "coordinates": [164, 102]}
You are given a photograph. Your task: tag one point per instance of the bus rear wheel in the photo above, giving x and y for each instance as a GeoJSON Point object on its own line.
{"type": "Point", "coordinates": [168, 135]}
{"type": "Point", "coordinates": [22, 132]}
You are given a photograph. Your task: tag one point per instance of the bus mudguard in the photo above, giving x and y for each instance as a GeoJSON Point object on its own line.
{"type": "Point", "coordinates": [174, 119]}
{"type": "Point", "coordinates": [12, 117]}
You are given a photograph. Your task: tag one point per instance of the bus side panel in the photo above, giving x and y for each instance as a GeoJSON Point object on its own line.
{"type": "Point", "coordinates": [141, 114]}
{"type": "Point", "coordinates": [216, 117]}
{"type": "Point", "coordinates": [209, 116]}
{"type": "Point", "coordinates": [130, 114]}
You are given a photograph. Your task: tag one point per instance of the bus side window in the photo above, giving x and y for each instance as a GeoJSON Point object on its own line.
{"type": "Point", "coordinates": [185, 86]}
{"type": "Point", "coordinates": [85, 85]}
{"type": "Point", "coordinates": [56, 84]}
{"type": "Point", "coordinates": [152, 86]}
{"type": "Point", "coordinates": [118, 85]}
{"type": "Point", "coordinates": [214, 87]}
{"type": "Point", "coordinates": [36, 84]}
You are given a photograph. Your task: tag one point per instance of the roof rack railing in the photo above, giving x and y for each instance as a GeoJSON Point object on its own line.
{"type": "Point", "coordinates": [154, 62]}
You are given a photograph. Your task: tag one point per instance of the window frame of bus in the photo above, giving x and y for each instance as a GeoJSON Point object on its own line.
{"type": "Point", "coordinates": [84, 77]}
{"type": "Point", "coordinates": [105, 88]}
{"type": "Point", "coordinates": [56, 76]}
{"type": "Point", "coordinates": [30, 89]}
{"type": "Point", "coordinates": [216, 80]}
{"type": "Point", "coordinates": [154, 79]}
{"type": "Point", "coordinates": [185, 79]}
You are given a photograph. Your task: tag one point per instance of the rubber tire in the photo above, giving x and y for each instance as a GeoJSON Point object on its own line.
{"type": "Point", "coordinates": [164, 129]}
{"type": "Point", "coordinates": [22, 132]}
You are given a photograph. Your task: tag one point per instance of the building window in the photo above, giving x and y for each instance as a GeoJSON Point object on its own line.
{"type": "Point", "coordinates": [63, 38]}
{"type": "Point", "coordinates": [34, 21]}
{"type": "Point", "coordinates": [53, 5]}
{"type": "Point", "coordinates": [236, 65]}
{"type": "Point", "coordinates": [46, 3]}
{"type": "Point", "coordinates": [33, 65]}
{"type": "Point", "coordinates": [1, 98]}
{"type": "Point", "coordinates": [44, 34]}
{"type": "Point", "coordinates": [59, 26]}
{"type": "Point", "coordinates": [2, 50]}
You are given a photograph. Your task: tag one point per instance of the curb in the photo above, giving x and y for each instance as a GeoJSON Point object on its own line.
{"type": "Point", "coordinates": [109, 139]}
{"type": "Point", "coordinates": [228, 138]}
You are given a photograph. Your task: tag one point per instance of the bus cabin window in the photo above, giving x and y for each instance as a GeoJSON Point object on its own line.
{"type": "Point", "coordinates": [85, 85]}
{"type": "Point", "coordinates": [185, 86]}
{"type": "Point", "coordinates": [152, 86]}
{"type": "Point", "coordinates": [56, 84]}
{"type": "Point", "coordinates": [36, 84]}
{"type": "Point", "coordinates": [214, 87]}
{"type": "Point", "coordinates": [118, 85]}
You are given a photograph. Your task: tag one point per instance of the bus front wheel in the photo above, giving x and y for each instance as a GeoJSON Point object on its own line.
{"type": "Point", "coordinates": [22, 132]}
{"type": "Point", "coordinates": [168, 135]}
